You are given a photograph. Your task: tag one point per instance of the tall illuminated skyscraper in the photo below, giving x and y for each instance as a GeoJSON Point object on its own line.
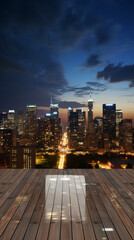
{"type": "Point", "coordinates": [91, 129]}
{"type": "Point", "coordinates": [54, 110]}
{"type": "Point", "coordinates": [31, 118]}
{"type": "Point", "coordinates": [126, 135]}
{"type": "Point", "coordinates": [3, 120]}
{"type": "Point", "coordinates": [119, 117]}
{"type": "Point", "coordinates": [53, 128]}
{"type": "Point", "coordinates": [20, 122]}
{"type": "Point", "coordinates": [109, 121]}
{"type": "Point", "coordinates": [76, 129]}
{"type": "Point", "coordinates": [11, 119]}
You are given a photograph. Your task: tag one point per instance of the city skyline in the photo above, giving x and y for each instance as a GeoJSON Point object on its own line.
{"type": "Point", "coordinates": [63, 112]}
{"type": "Point", "coordinates": [65, 50]}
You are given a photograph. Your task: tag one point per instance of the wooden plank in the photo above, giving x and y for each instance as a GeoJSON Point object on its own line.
{"type": "Point", "coordinates": [43, 229]}
{"type": "Point", "coordinates": [4, 173]}
{"type": "Point", "coordinates": [8, 182]}
{"type": "Point", "coordinates": [95, 218]}
{"type": "Point", "coordinates": [122, 189]}
{"type": "Point", "coordinates": [115, 194]}
{"type": "Point", "coordinates": [8, 198]}
{"type": "Point", "coordinates": [121, 221]}
{"type": "Point", "coordinates": [127, 177]}
{"type": "Point", "coordinates": [16, 219]}
{"type": "Point", "coordinates": [102, 210]}
{"type": "Point", "coordinates": [33, 226]}
{"type": "Point", "coordinates": [55, 223]}
{"type": "Point", "coordinates": [125, 183]}
{"type": "Point", "coordinates": [24, 221]}
{"type": "Point", "coordinates": [66, 226]}
{"type": "Point", "coordinates": [11, 210]}
{"type": "Point", "coordinates": [77, 229]}
{"type": "Point", "coordinates": [85, 218]}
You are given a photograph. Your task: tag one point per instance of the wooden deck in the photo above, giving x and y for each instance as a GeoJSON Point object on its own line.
{"type": "Point", "coordinates": [66, 204]}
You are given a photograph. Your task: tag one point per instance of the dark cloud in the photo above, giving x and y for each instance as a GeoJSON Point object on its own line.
{"type": "Point", "coordinates": [102, 36]}
{"type": "Point", "coordinates": [92, 61]}
{"type": "Point", "coordinates": [118, 73]}
{"type": "Point", "coordinates": [33, 34]}
{"type": "Point", "coordinates": [7, 65]}
{"type": "Point", "coordinates": [72, 104]}
{"type": "Point", "coordinates": [89, 87]}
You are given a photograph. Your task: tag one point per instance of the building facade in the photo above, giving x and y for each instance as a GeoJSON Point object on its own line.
{"type": "Point", "coordinates": [109, 122]}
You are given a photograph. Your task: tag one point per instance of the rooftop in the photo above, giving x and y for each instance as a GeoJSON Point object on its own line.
{"type": "Point", "coordinates": [66, 204]}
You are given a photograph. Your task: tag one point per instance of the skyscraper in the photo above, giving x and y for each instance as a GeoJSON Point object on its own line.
{"type": "Point", "coordinates": [53, 127]}
{"type": "Point", "coordinates": [11, 119]}
{"type": "Point", "coordinates": [3, 120]}
{"type": "Point", "coordinates": [31, 118]}
{"type": "Point", "coordinates": [76, 129]}
{"type": "Point", "coordinates": [119, 117]}
{"type": "Point", "coordinates": [109, 122]}
{"type": "Point", "coordinates": [54, 110]}
{"type": "Point", "coordinates": [91, 128]}
{"type": "Point", "coordinates": [126, 135]}
{"type": "Point", "coordinates": [20, 122]}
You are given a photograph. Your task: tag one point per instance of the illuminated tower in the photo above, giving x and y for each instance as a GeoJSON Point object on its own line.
{"type": "Point", "coordinates": [126, 135]}
{"type": "Point", "coordinates": [11, 119]}
{"type": "Point", "coordinates": [76, 129]}
{"type": "Point", "coordinates": [3, 120]}
{"type": "Point", "coordinates": [31, 118]}
{"type": "Point", "coordinates": [119, 117]}
{"type": "Point", "coordinates": [91, 129]}
{"type": "Point", "coordinates": [20, 122]}
{"type": "Point", "coordinates": [109, 121]}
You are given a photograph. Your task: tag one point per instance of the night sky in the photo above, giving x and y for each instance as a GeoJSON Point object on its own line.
{"type": "Point", "coordinates": [64, 50]}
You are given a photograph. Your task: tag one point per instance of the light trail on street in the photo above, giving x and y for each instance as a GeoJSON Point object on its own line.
{"type": "Point", "coordinates": [62, 151]}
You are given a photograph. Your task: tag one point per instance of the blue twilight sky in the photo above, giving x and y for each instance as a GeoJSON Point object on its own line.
{"type": "Point", "coordinates": [65, 49]}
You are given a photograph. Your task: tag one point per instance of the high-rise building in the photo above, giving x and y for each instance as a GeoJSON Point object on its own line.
{"type": "Point", "coordinates": [109, 122]}
{"type": "Point", "coordinates": [53, 128]}
{"type": "Point", "coordinates": [98, 121]}
{"type": "Point", "coordinates": [3, 120]}
{"type": "Point", "coordinates": [22, 157]}
{"type": "Point", "coordinates": [30, 124]}
{"type": "Point", "coordinates": [76, 129]}
{"type": "Point", "coordinates": [126, 135]}
{"type": "Point", "coordinates": [6, 139]}
{"type": "Point", "coordinates": [11, 119]}
{"type": "Point", "coordinates": [54, 110]}
{"type": "Point", "coordinates": [91, 128]}
{"type": "Point", "coordinates": [20, 122]}
{"type": "Point", "coordinates": [119, 117]}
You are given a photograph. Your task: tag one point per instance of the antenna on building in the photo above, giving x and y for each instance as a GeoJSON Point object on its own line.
{"type": "Point", "coordinates": [51, 100]}
{"type": "Point", "coordinates": [90, 95]}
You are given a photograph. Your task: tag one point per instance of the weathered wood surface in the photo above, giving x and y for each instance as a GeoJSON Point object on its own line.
{"type": "Point", "coordinates": [52, 204]}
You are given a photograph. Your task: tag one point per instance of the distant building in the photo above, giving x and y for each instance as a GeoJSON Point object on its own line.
{"type": "Point", "coordinates": [126, 136]}
{"type": "Point", "coordinates": [22, 157]}
{"type": "Point", "coordinates": [98, 122]}
{"type": "Point", "coordinates": [3, 120]}
{"type": "Point", "coordinates": [109, 122]}
{"type": "Point", "coordinates": [119, 117]}
{"type": "Point", "coordinates": [133, 137]}
{"type": "Point", "coordinates": [91, 127]}
{"type": "Point", "coordinates": [11, 119]}
{"type": "Point", "coordinates": [6, 139]}
{"type": "Point", "coordinates": [54, 110]}
{"type": "Point", "coordinates": [76, 129]}
{"type": "Point", "coordinates": [92, 142]}
{"type": "Point", "coordinates": [30, 124]}
{"type": "Point", "coordinates": [52, 132]}
{"type": "Point", "coordinates": [42, 130]}
{"type": "Point", "coordinates": [20, 122]}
